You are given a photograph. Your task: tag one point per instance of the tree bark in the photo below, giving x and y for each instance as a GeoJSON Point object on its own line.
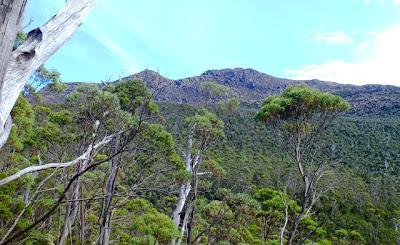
{"type": "Point", "coordinates": [11, 17]}
{"type": "Point", "coordinates": [192, 163]}
{"type": "Point", "coordinates": [282, 233]}
{"type": "Point", "coordinates": [32, 169]}
{"type": "Point", "coordinates": [16, 66]}
{"type": "Point", "coordinates": [72, 209]}
{"type": "Point", "coordinates": [105, 217]}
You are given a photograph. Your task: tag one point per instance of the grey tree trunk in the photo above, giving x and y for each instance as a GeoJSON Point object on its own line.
{"type": "Point", "coordinates": [106, 213]}
{"type": "Point", "coordinates": [72, 210]}
{"type": "Point", "coordinates": [16, 66]}
{"type": "Point", "coordinates": [11, 16]}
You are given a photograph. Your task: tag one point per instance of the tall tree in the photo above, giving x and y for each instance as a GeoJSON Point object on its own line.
{"type": "Point", "coordinates": [17, 65]}
{"type": "Point", "coordinates": [204, 128]}
{"type": "Point", "coordinates": [300, 115]}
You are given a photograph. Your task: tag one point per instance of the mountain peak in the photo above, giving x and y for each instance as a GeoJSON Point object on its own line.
{"type": "Point", "coordinates": [252, 86]}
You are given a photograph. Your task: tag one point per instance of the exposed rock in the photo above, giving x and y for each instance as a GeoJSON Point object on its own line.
{"type": "Point", "coordinates": [253, 86]}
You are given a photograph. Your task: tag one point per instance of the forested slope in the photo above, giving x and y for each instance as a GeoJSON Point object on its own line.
{"type": "Point", "coordinates": [230, 172]}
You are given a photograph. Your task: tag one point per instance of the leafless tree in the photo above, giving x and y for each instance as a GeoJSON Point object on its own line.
{"type": "Point", "coordinates": [16, 66]}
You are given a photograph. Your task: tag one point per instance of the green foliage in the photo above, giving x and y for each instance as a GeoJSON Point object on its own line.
{"type": "Point", "coordinates": [297, 101]}
{"type": "Point", "coordinates": [218, 96]}
{"type": "Point", "coordinates": [20, 39]}
{"type": "Point", "coordinates": [213, 89]}
{"type": "Point", "coordinates": [206, 124]}
{"type": "Point", "coordinates": [134, 94]}
{"type": "Point", "coordinates": [23, 118]}
{"type": "Point", "coordinates": [151, 223]}
{"type": "Point", "coordinates": [241, 203]}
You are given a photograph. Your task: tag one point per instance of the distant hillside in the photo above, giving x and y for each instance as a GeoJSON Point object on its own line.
{"type": "Point", "coordinates": [253, 86]}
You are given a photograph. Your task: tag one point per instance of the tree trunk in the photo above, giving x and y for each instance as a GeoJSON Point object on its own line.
{"type": "Point", "coordinates": [72, 210]}
{"type": "Point", "coordinates": [184, 190]}
{"type": "Point", "coordinates": [183, 194]}
{"type": "Point", "coordinates": [11, 17]}
{"type": "Point", "coordinates": [16, 66]}
{"type": "Point", "coordinates": [282, 233]}
{"type": "Point", "coordinates": [105, 217]}
{"type": "Point", "coordinates": [192, 208]}
{"type": "Point", "coordinates": [184, 224]}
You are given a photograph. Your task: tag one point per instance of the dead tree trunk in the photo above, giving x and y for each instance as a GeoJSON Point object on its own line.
{"type": "Point", "coordinates": [11, 16]}
{"type": "Point", "coordinates": [16, 66]}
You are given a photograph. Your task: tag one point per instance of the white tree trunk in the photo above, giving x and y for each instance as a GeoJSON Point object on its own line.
{"type": "Point", "coordinates": [183, 194]}
{"type": "Point", "coordinates": [41, 43]}
{"type": "Point", "coordinates": [191, 164]}
{"type": "Point", "coordinates": [283, 229]}
{"type": "Point", "coordinates": [184, 226]}
{"type": "Point", "coordinates": [185, 187]}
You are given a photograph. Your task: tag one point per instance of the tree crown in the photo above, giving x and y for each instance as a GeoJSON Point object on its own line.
{"type": "Point", "coordinates": [297, 101]}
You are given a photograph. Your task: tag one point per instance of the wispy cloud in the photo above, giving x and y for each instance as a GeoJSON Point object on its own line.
{"type": "Point", "coordinates": [376, 61]}
{"type": "Point", "coordinates": [396, 2]}
{"type": "Point", "coordinates": [337, 37]}
{"type": "Point", "coordinates": [129, 63]}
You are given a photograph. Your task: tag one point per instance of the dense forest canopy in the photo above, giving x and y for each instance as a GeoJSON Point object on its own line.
{"type": "Point", "coordinates": [124, 163]}
{"type": "Point", "coordinates": [213, 174]}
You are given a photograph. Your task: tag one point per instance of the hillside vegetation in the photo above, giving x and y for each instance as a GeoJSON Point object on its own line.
{"type": "Point", "coordinates": [203, 161]}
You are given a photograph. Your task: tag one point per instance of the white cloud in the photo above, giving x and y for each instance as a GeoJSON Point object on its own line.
{"type": "Point", "coordinates": [376, 61]}
{"type": "Point", "coordinates": [395, 2]}
{"type": "Point", "coordinates": [334, 37]}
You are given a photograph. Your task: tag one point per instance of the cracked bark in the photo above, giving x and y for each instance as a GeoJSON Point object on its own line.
{"type": "Point", "coordinates": [16, 66]}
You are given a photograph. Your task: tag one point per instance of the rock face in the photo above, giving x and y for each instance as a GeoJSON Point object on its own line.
{"type": "Point", "coordinates": [252, 87]}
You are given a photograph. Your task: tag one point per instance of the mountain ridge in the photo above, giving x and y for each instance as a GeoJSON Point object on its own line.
{"type": "Point", "coordinates": [253, 86]}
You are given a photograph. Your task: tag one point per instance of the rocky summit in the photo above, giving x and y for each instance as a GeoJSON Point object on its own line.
{"type": "Point", "coordinates": [252, 87]}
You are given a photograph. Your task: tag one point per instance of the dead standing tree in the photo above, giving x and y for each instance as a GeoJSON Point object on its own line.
{"type": "Point", "coordinates": [16, 66]}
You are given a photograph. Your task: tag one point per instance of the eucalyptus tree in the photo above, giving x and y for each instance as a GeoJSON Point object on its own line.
{"type": "Point", "coordinates": [204, 128]}
{"type": "Point", "coordinates": [300, 115]}
{"type": "Point", "coordinates": [98, 113]}
{"type": "Point", "coordinates": [218, 96]}
{"type": "Point", "coordinates": [151, 145]}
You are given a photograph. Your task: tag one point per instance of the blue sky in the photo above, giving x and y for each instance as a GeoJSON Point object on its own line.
{"type": "Point", "coordinates": [349, 41]}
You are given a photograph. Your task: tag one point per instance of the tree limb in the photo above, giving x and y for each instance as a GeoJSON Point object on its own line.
{"type": "Point", "coordinates": [84, 156]}
{"type": "Point", "coordinates": [5, 132]}
{"type": "Point", "coordinates": [40, 45]}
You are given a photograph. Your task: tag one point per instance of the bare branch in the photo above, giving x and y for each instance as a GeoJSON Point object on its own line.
{"type": "Point", "coordinates": [40, 45]}
{"type": "Point", "coordinates": [85, 156]}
